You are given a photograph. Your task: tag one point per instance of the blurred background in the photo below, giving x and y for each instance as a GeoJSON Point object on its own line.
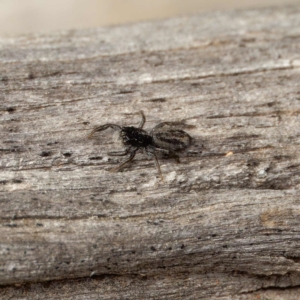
{"type": "Point", "coordinates": [25, 16]}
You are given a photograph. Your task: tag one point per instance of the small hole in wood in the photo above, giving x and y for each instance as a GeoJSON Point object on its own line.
{"type": "Point", "coordinates": [10, 109]}
{"type": "Point", "coordinates": [67, 154]}
{"type": "Point", "coordinates": [45, 153]}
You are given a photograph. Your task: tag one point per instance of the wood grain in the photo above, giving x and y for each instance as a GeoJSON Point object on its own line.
{"type": "Point", "coordinates": [225, 222]}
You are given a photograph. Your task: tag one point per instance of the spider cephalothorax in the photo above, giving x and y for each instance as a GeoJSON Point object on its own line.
{"type": "Point", "coordinates": [136, 137]}
{"type": "Point", "coordinates": [162, 139]}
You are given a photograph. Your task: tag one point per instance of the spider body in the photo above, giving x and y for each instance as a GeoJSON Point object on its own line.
{"type": "Point", "coordinates": [162, 139]}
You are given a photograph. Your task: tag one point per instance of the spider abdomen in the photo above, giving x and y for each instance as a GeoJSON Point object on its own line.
{"type": "Point", "coordinates": [135, 137]}
{"type": "Point", "coordinates": [172, 139]}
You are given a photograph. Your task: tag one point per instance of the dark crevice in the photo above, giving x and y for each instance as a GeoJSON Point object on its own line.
{"type": "Point", "coordinates": [95, 158]}
{"type": "Point", "coordinates": [258, 114]}
{"type": "Point", "coordinates": [67, 154]}
{"type": "Point", "coordinates": [45, 153]}
{"type": "Point", "coordinates": [160, 100]}
{"type": "Point", "coordinates": [126, 92]}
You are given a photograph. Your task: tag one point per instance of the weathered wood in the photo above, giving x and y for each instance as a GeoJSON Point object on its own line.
{"type": "Point", "coordinates": [225, 223]}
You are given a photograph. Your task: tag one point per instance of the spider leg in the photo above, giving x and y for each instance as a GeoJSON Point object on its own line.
{"type": "Point", "coordinates": [172, 154]}
{"type": "Point", "coordinates": [168, 125]}
{"type": "Point", "coordinates": [121, 153]}
{"type": "Point", "coordinates": [169, 153]}
{"type": "Point", "coordinates": [127, 160]}
{"type": "Point", "coordinates": [103, 127]}
{"type": "Point", "coordinates": [142, 122]}
{"type": "Point", "coordinates": [152, 153]}
{"type": "Point", "coordinates": [118, 153]}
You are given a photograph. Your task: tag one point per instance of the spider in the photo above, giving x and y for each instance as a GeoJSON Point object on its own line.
{"type": "Point", "coordinates": [162, 139]}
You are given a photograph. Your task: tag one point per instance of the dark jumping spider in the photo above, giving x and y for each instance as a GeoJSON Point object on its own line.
{"type": "Point", "coordinates": [162, 139]}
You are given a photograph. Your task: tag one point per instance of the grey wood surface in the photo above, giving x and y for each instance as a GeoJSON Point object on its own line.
{"type": "Point", "coordinates": [224, 223]}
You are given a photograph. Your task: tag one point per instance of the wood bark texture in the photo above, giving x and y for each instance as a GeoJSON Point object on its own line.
{"type": "Point", "coordinates": [224, 223]}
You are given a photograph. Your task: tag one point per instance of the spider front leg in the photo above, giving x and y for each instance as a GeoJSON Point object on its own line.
{"type": "Point", "coordinates": [122, 153]}
{"type": "Point", "coordinates": [103, 127]}
{"type": "Point", "coordinates": [141, 124]}
{"type": "Point", "coordinates": [127, 160]}
{"type": "Point", "coordinates": [118, 153]}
